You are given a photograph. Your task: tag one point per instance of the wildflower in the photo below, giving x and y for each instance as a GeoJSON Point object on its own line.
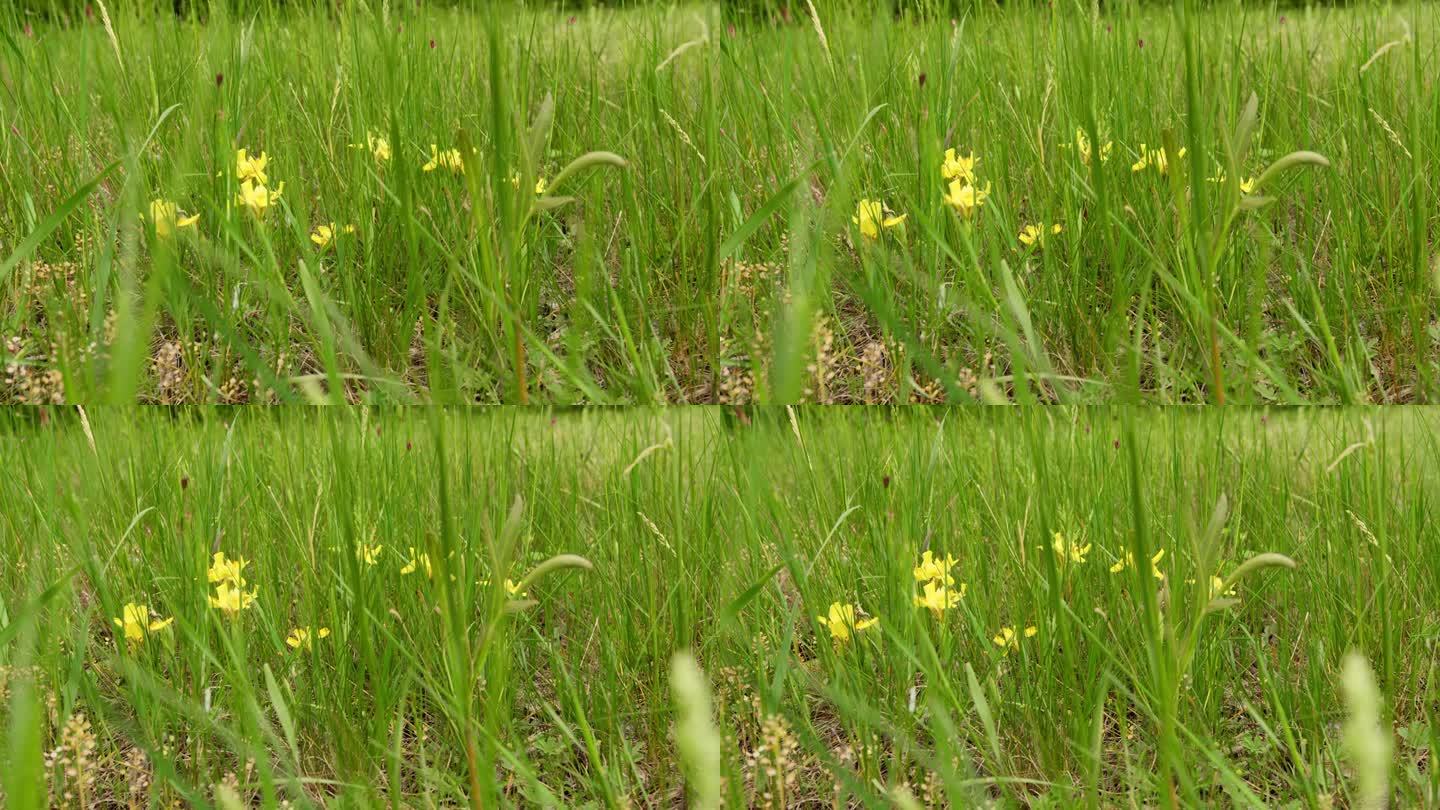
{"type": "Point", "coordinates": [223, 569]}
{"type": "Point", "coordinates": [870, 216]}
{"type": "Point", "coordinates": [1217, 587]}
{"type": "Point", "coordinates": [1032, 235]}
{"type": "Point", "coordinates": [304, 637]}
{"type": "Point", "coordinates": [137, 621]}
{"type": "Point", "coordinates": [166, 218]}
{"type": "Point", "coordinates": [1156, 158]}
{"type": "Point", "coordinates": [417, 559]}
{"type": "Point", "coordinates": [1068, 550]}
{"type": "Point", "coordinates": [377, 145]}
{"type": "Point", "coordinates": [1129, 561]}
{"type": "Point", "coordinates": [960, 168]}
{"type": "Point", "coordinates": [257, 197]}
{"type": "Point", "coordinates": [934, 568]}
{"type": "Point", "coordinates": [940, 597]}
{"type": "Point", "coordinates": [449, 159]}
{"type": "Point", "coordinates": [841, 622]}
{"type": "Point", "coordinates": [1007, 640]}
{"type": "Point", "coordinates": [513, 589]}
{"type": "Point", "coordinates": [324, 234]}
{"type": "Point", "coordinates": [540, 185]}
{"type": "Point", "coordinates": [965, 198]}
{"type": "Point", "coordinates": [248, 168]}
{"type": "Point", "coordinates": [231, 598]}
{"type": "Point", "coordinates": [368, 554]}
{"type": "Point", "coordinates": [1247, 185]}
{"type": "Point", "coordinates": [1082, 145]}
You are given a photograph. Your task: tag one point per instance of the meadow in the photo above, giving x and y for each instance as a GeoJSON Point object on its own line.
{"type": "Point", "coordinates": [389, 202]}
{"type": "Point", "coordinates": [775, 608]}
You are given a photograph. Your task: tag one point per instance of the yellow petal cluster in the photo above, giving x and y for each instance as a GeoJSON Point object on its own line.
{"type": "Point", "coordinates": [966, 198]}
{"type": "Point", "coordinates": [323, 235]}
{"type": "Point", "coordinates": [1128, 561]}
{"type": "Point", "coordinates": [418, 560]}
{"type": "Point", "coordinates": [227, 575]}
{"type": "Point", "coordinates": [1068, 550]}
{"type": "Point", "coordinates": [842, 623]}
{"type": "Point", "coordinates": [165, 216]}
{"type": "Point", "coordinates": [447, 159]}
{"type": "Point", "coordinates": [1032, 235]}
{"type": "Point", "coordinates": [959, 167]}
{"type": "Point", "coordinates": [138, 621]}
{"type": "Point", "coordinates": [256, 198]}
{"type": "Point", "coordinates": [870, 215]}
{"type": "Point", "coordinates": [1155, 158]}
{"type": "Point", "coordinates": [305, 637]}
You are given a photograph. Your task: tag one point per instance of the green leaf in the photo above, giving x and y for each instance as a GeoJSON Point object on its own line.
{"type": "Point", "coordinates": [588, 160]}
{"type": "Point", "coordinates": [733, 243]}
{"type": "Point", "coordinates": [1290, 161]}
{"type": "Point", "coordinates": [540, 130]}
{"type": "Point", "coordinates": [50, 223]}
{"type": "Point", "coordinates": [1259, 561]}
{"type": "Point", "coordinates": [731, 612]}
{"type": "Point", "coordinates": [982, 708]}
{"type": "Point", "coordinates": [556, 563]}
{"type": "Point", "coordinates": [282, 713]}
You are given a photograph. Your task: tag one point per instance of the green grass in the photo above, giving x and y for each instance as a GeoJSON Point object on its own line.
{"type": "Point", "coordinates": [727, 538]}
{"type": "Point", "coordinates": [720, 263]}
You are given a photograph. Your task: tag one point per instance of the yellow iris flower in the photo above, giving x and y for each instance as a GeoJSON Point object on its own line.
{"type": "Point", "coordinates": [368, 554]}
{"type": "Point", "coordinates": [165, 216]}
{"type": "Point", "coordinates": [959, 167]}
{"type": "Point", "coordinates": [228, 576]}
{"type": "Point", "coordinates": [376, 145]}
{"type": "Point", "coordinates": [512, 588]}
{"type": "Point", "coordinates": [1218, 589]}
{"type": "Point", "coordinates": [1129, 560]}
{"type": "Point", "coordinates": [1032, 235]}
{"type": "Point", "coordinates": [323, 235]}
{"type": "Point", "coordinates": [1068, 550]}
{"type": "Point", "coordinates": [251, 168]}
{"type": "Point", "coordinates": [965, 198]}
{"type": "Point", "coordinates": [842, 622]}
{"type": "Point", "coordinates": [418, 559]}
{"type": "Point", "coordinates": [448, 159]}
{"type": "Point", "coordinates": [1007, 640]}
{"type": "Point", "coordinates": [938, 597]}
{"type": "Point", "coordinates": [871, 217]}
{"type": "Point", "coordinates": [231, 598]}
{"type": "Point", "coordinates": [1156, 158]}
{"type": "Point", "coordinates": [257, 197]}
{"type": "Point", "coordinates": [935, 568]}
{"type": "Point", "coordinates": [224, 569]}
{"type": "Point", "coordinates": [1247, 185]}
{"type": "Point", "coordinates": [541, 186]}
{"type": "Point", "coordinates": [138, 621]}
{"type": "Point", "coordinates": [305, 637]}
{"type": "Point", "coordinates": [1082, 145]}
